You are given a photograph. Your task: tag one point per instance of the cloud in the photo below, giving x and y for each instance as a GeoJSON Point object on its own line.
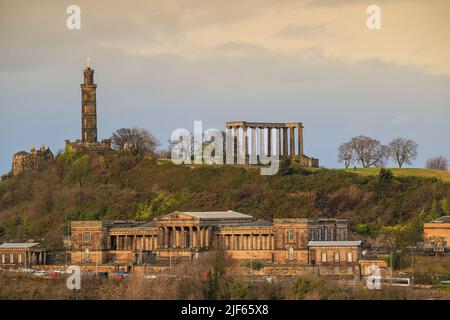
{"type": "Point", "coordinates": [298, 31]}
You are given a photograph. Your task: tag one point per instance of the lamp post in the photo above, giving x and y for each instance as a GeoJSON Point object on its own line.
{"type": "Point", "coordinates": [412, 264]}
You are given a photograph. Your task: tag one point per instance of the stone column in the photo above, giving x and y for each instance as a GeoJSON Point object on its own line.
{"type": "Point", "coordinates": [166, 237]}
{"type": "Point", "coordinates": [285, 142]}
{"type": "Point", "coordinates": [191, 237]}
{"type": "Point", "coordinates": [262, 148]}
{"type": "Point", "coordinates": [292, 141]}
{"type": "Point", "coordinates": [253, 156]}
{"type": "Point", "coordinates": [300, 140]}
{"type": "Point", "coordinates": [236, 143]}
{"type": "Point", "coordinates": [229, 146]}
{"type": "Point", "coordinates": [269, 141]}
{"type": "Point", "coordinates": [244, 143]}
{"type": "Point", "coordinates": [278, 146]}
{"type": "Point", "coordinates": [207, 233]}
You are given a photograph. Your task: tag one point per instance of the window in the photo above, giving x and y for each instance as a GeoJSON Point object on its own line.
{"type": "Point", "coordinates": [19, 258]}
{"type": "Point", "coordinates": [291, 253]}
{"type": "Point", "coordinates": [86, 237]}
{"type": "Point", "coordinates": [86, 254]}
{"type": "Point", "coordinates": [349, 257]}
{"type": "Point", "coordinates": [290, 235]}
{"type": "Point", "coordinates": [336, 257]}
{"type": "Point", "coordinates": [11, 258]}
{"type": "Point", "coordinates": [324, 257]}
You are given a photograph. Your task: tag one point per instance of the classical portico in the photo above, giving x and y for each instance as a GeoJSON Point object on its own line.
{"type": "Point", "coordinates": [194, 230]}
{"type": "Point", "coordinates": [249, 141]}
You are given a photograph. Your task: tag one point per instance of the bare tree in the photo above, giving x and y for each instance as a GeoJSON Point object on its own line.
{"type": "Point", "coordinates": [403, 150]}
{"type": "Point", "coordinates": [368, 151]}
{"type": "Point", "coordinates": [438, 163]}
{"type": "Point", "coordinates": [134, 140]}
{"type": "Point", "coordinates": [346, 154]}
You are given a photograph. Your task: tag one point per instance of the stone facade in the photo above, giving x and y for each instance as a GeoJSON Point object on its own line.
{"type": "Point", "coordinates": [187, 235]}
{"type": "Point", "coordinates": [35, 159]}
{"type": "Point", "coordinates": [436, 234]}
{"type": "Point", "coordinates": [89, 140]}
{"type": "Point", "coordinates": [264, 137]}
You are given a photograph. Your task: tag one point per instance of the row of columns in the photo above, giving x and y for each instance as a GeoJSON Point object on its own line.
{"type": "Point", "coordinates": [186, 237]}
{"type": "Point", "coordinates": [287, 147]}
{"type": "Point", "coordinates": [26, 258]}
{"type": "Point", "coordinates": [133, 242]}
{"type": "Point", "coordinates": [247, 241]}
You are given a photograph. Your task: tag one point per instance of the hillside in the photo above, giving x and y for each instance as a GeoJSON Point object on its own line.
{"type": "Point", "coordinates": [38, 204]}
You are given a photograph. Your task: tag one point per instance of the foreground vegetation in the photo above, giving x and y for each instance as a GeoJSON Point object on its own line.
{"type": "Point", "coordinates": [191, 281]}
{"type": "Point", "coordinates": [37, 205]}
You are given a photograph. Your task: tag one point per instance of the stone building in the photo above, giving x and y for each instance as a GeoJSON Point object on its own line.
{"type": "Point", "coordinates": [248, 141]}
{"type": "Point", "coordinates": [35, 159]}
{"type": "Point", "coordinates": [436, 234]}
{"type": "Point", "coordinates": [187, 235]}
{"type": "Point", "coordinates": [89, 141]}
{"type": "Point", "coordinates": [21, 255]}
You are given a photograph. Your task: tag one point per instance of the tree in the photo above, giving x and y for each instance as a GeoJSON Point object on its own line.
{"type": "Point", "coordinates": [346, 154]}
{"type": "Point", "coordinates": [438, 163]}
{"type": "Point", "coordinates": [368, 151]}
{"type": "Point", "coordinates": [403, 150]}
{"type": "Point", "coordinates": [134, 140]}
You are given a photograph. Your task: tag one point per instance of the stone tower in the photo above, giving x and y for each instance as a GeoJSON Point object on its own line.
{"type": "Point", "coordinates": [88, 108]}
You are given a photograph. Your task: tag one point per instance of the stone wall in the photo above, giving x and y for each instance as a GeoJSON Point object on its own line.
{"type": "Point", "coordinates": [34, 160]}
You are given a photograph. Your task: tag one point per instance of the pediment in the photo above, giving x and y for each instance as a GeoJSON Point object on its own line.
{"type": "Point", "coordinates": [177, 216]}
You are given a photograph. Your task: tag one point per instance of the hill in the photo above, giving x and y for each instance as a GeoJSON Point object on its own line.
{"type": "Point", "coordinates": [38, 204]}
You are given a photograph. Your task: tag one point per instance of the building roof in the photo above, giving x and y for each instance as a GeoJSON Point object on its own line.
{"type": "Point", "coordinates": [334, 243]}
{"type": "Point", "coordinates": [24, 245]}
{"type": "Point", "coordinates": [443, 219]}
{"type": "Point", "coordinates": [217, 215]}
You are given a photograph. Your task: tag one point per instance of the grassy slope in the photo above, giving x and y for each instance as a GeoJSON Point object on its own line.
{"type": "Point", "coordinates": [416, 172]}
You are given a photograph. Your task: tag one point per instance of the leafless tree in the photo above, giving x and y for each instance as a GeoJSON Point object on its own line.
{"type": "Point", "coordinates": [134, 140]}
{"type": "Point", "coordinates": [403, 150]}
{"type": "Point", "coordinates": [346, 154]}
{"type": "Point", "coordinates": [438, 163]}
{"type": "Point", "coordinates": [369, 152]}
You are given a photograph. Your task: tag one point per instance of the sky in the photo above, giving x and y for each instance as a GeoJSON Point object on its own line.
{"type": "Point", "coordinates": [161, 65]}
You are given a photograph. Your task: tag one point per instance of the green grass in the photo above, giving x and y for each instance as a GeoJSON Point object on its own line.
{"type": "Point", "coordinates": [418, 172]}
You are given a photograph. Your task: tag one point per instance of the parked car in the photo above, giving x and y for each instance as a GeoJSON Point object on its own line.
{"type": "Point", "coordinates": [40, 273]}
{"type": "Point", "coordinates": [57, 273]}
{"type": "Point", "coordinates": [89, 273]}
{"type": "Point", "coordinates": [445, 282]}
{"type": "Point", "coordinates": [120, 275]}
{"type": "Point", "coordinates": [150, 276]}
{"type": "Point", "coordinates": [28, 270]}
